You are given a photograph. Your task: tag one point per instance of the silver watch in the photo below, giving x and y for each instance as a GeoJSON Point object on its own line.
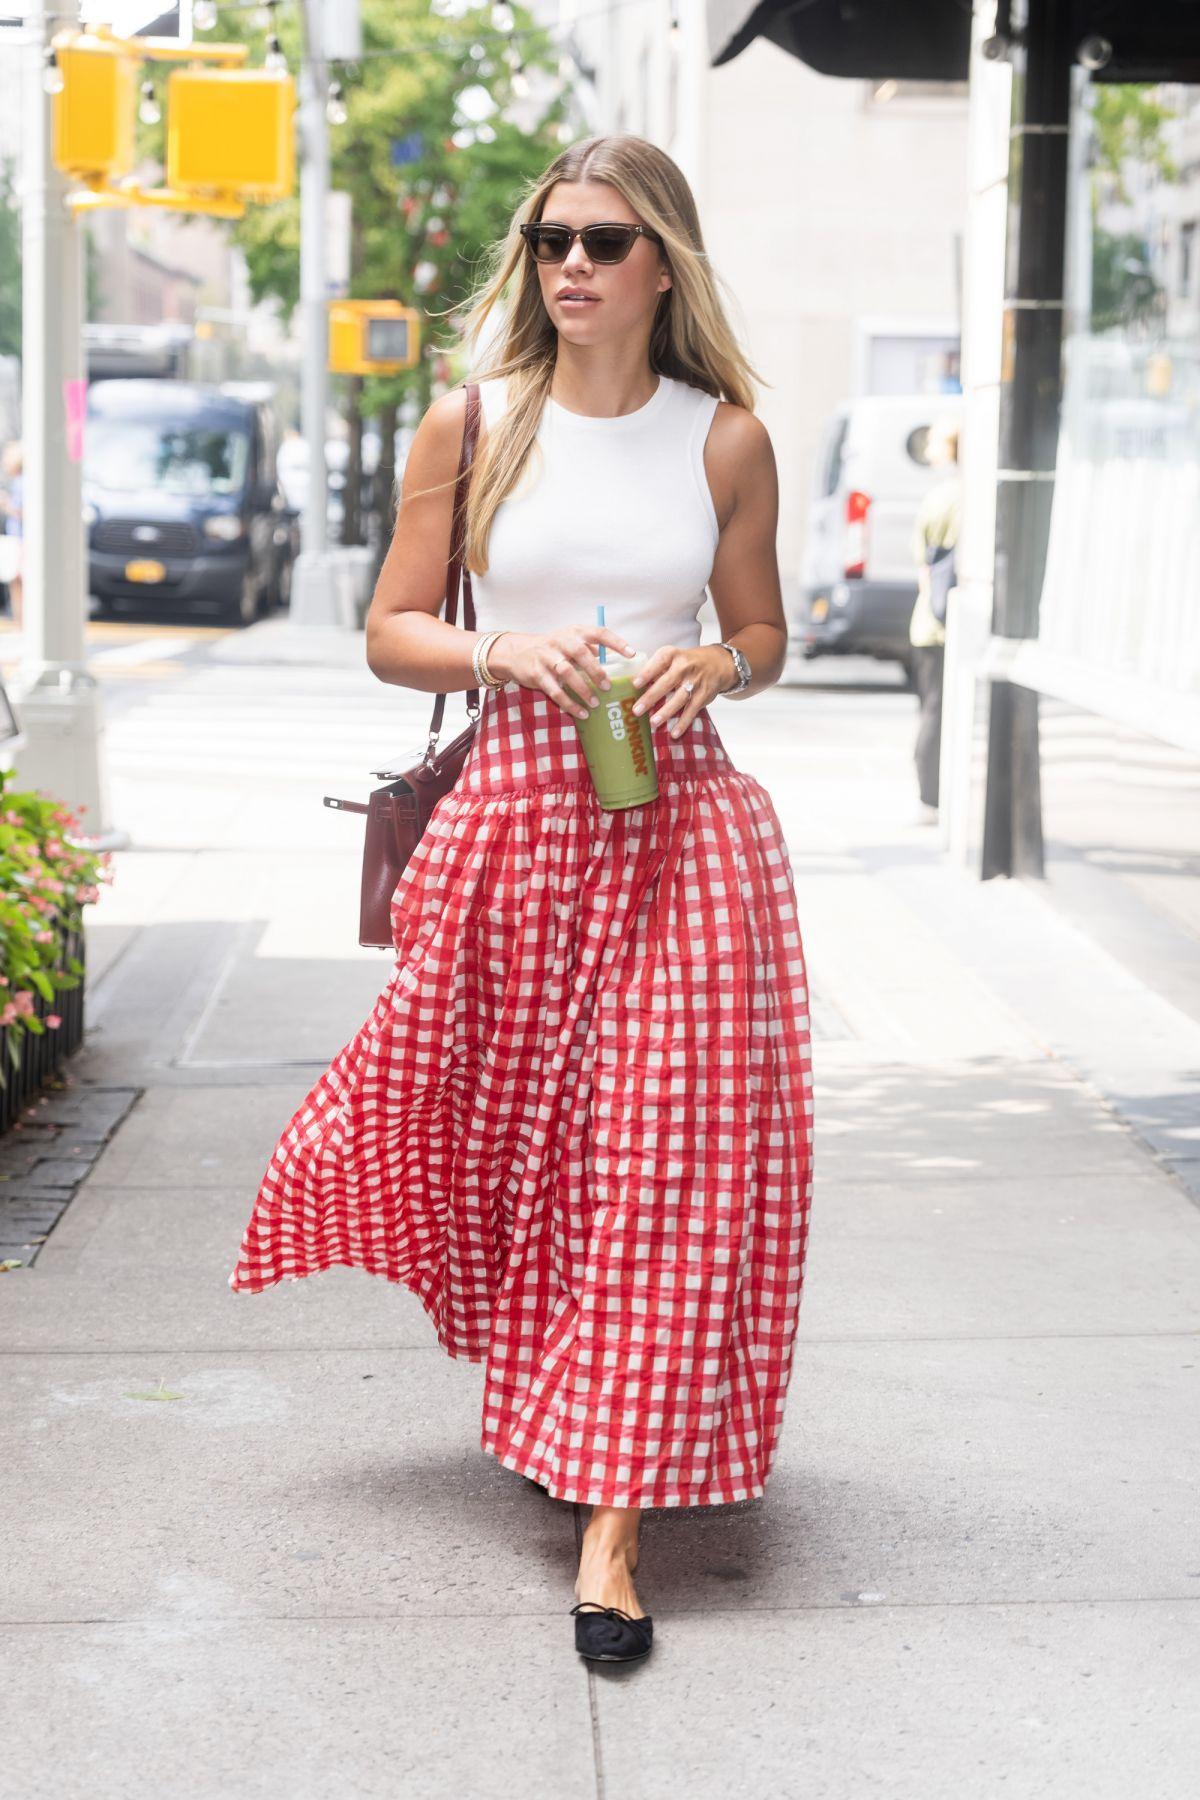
{"type": "Point", "coordinates": [745, 674]}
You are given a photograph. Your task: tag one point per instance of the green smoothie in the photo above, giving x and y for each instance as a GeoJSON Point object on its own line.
{"type": "Point", "coordinates": [619, 748]}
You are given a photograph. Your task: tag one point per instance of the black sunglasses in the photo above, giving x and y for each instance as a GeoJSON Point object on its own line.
{"type": "Point", "coordinates": [601, 243]}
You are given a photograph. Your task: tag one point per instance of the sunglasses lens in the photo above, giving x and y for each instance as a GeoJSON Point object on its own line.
{"type": "Point", "coordinates": [548, 243]}
{"type": "Point", "coordinates": [608, 243]}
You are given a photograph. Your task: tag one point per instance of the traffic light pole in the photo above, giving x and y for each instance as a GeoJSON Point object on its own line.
{"type": "Point", "coordinates": [314, 588]}
{"type": "Point", "coordinates": [57, 699]}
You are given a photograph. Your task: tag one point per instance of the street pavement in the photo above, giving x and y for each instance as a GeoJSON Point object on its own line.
{"type": "Point", "coordinates": [975, 1570]}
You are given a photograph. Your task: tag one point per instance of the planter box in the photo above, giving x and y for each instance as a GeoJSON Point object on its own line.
{"type": "Point", "coordinates": [42, 1056]}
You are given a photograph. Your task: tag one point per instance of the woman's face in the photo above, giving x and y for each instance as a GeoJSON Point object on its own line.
{"type": "Point", "coordinates": [625, 293]}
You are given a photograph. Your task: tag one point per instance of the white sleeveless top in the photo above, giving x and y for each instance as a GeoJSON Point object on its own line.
{"type": "Point", "coordinates": [615, 512]}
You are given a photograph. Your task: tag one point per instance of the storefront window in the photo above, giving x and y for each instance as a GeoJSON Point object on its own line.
{"type": "Point", "coordinates": [1122, 582]}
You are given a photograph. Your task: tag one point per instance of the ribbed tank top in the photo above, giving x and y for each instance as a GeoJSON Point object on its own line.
{"type": "Point", "coordinates": [613, 512]}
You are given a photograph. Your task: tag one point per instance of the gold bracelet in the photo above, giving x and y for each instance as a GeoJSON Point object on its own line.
{"type": "Point", "coordinates": [482, 654]}
{"type": "Point", "coordinates": [480, 645]}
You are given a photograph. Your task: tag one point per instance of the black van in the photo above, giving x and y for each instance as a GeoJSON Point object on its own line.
{"type": "Point", "coordinates": [182, 501]}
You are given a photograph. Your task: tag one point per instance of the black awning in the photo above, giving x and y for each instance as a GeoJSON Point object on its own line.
{"type": "Point", "coordinates": [929, 40]}
{"type": "Point", "coordinates": [909, 40]}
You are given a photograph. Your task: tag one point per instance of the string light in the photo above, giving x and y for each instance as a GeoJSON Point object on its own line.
{"type": "Point", "coordinates": [520, 81]}
{"type": "Point", "coordinates": [674, 32]}
{"type": "Point", "coordinates": [335, 105]}
{"type": "Point", "coordinates": [52, 75]}
{"type": "Point", "coordinates": [204, 15]}
{"type": "Point", "coordinates": [274, 60]}
{"type": "Point", "coordinates": [149, 111]}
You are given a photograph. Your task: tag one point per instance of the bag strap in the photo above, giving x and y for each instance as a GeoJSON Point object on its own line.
{"type": "Point", "coordinates": [455, 568]}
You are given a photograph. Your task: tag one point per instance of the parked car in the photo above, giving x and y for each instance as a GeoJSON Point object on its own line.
{"type": "Point", "coordinates": [182, 500]}
{"type": "Point", "coordinates": [858, 584]}
{"type": "Point", "coordinates": [294, 474]}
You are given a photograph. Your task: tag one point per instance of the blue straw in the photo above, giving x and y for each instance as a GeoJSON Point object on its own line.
{"type": "Point", "coordinates": [600, 622]}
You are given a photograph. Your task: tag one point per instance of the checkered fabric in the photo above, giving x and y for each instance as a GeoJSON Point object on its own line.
{"type": "Point", "coordinates": [578, 1121]}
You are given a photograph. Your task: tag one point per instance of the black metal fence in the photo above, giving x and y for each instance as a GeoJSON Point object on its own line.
{"type": "Point", "coordinates": [42, 1056]}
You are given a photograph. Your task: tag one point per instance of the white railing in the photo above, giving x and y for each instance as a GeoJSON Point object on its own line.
{"type": "Point", "coordinates": [1122, 583]}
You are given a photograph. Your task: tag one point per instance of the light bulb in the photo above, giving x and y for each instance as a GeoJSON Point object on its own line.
{"type": "Point", "coordinates": [335, 106]}
{"type": "Point", "coordinates": [52, 75]}
{"type": "Point", "coordinates": [204, 15]}
{"type": "Point", "coordinates": [520, 82]}
{"type": "Point", "coordinates": [262, 18]}
{"type": "Point", "coordinates": [149, 111]}
{"type": "Point", "coordinates": [502, 16]}
{"type": "Point", "coordinates": [274, 60]}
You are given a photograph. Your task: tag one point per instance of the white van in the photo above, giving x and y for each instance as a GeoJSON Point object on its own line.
{"type": "Point", "coordinates": [858, 581]}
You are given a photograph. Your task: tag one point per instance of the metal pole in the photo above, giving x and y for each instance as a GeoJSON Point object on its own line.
{"type": "Point", "coordinates": [314, 600]}
{"type": "Point", "coordinates": [1030, 389]}
{"type": "Point", "coordinates": [56, 698]}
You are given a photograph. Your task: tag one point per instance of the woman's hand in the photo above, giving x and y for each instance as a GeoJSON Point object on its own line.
{"type": "Point", "coordinates": [709, 669]}
{"type": "Point", "coordinates": [558, 664]}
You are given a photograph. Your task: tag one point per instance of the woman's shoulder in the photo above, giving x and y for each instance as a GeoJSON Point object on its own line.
{"type": "Point", "coordinates": [739, 441]}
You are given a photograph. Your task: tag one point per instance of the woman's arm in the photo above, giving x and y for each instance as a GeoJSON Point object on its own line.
{"type": "Point", "coordinates": [406, 641]}
{"type": "Point", "coordinates": [744, 582]}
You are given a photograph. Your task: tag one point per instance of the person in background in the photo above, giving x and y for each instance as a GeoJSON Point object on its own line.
{"type": "Point", "coordinates": [12, 507]}
{"type": "Point", "coordinates": [936, 528]}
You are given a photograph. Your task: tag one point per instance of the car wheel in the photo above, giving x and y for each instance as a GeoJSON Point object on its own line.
{"type": "Point", "coordinates": [242, 606]}
{"type": "Point", "coordinates": [281, 591]}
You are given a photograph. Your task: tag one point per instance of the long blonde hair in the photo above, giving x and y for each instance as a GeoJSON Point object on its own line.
{"type": "Point", "coordinates": [691, 339]}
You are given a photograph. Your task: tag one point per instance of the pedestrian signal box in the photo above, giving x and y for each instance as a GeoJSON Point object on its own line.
{"type": "Point", "coordinates": [95, 108]}
{"type": "Point", "coordinates": [229, 131]}
{"type": "Point", "coordinates": [373, 337]}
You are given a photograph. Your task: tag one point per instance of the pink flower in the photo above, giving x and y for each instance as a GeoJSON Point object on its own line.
{"type": "Point", "coordinates": [52, 1019]}
{"type": "Point", "coordinates": [43, 937]}
{"type": "Point", "coordinates": [23, 1000]}
{"type": "Point", "coordinates": [8, 1015]}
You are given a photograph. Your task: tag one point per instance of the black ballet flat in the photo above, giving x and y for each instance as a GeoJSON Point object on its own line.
{"type": "Point", "coordinates": [607, 1634]}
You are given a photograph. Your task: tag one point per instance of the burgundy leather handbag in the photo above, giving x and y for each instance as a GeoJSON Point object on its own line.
{"type": "Point", "coordinates": [398, 812]}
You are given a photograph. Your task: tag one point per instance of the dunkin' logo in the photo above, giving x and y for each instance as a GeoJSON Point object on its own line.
{"type": "Point", "coordinates": [624, 728]}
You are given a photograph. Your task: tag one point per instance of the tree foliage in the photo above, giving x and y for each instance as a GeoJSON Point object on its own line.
{"type": "Point", "coordinates": [422, 79]}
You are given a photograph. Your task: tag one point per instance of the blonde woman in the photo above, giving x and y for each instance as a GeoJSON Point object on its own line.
{"type": "Point", "coordinates": [578, 1123]}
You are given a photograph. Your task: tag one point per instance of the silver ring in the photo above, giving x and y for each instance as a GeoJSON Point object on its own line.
{"type": "Point", "coordinates": [689, 687]}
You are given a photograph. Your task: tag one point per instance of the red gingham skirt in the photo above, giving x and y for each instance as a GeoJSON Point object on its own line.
{"type": "Point", "coordinates": [578, 1121]}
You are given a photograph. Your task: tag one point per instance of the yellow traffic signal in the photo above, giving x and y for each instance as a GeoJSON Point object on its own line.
{"type": "Point", "coordinates": [94, 109]}
{"type": "Point", "coordinates": [373, 337]}
{"type": "Point", "coordinates": [229, 131]}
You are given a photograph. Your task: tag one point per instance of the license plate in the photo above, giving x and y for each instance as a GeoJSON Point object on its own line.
{"type": "Point", "coordinates": [145, 571]}
{"type": "Point", "coordinates": [819, 608]}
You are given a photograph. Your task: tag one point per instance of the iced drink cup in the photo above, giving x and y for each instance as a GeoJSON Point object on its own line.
{"type": "Point", "coordinates": [618, 747]}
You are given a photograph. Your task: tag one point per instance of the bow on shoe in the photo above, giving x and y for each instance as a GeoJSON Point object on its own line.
{"type": "Point", "coordinates": [609, 1633]}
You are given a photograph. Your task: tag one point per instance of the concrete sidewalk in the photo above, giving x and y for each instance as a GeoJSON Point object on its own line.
{"type": "Point", "coordinates": [975, 1570]}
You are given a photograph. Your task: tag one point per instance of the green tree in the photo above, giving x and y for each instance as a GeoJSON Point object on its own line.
{"type": "Point", "coordinates": [10, 263]}
{"type": "Point", "coordinates": [1127, 132]}
{"type": "Point", "coordinates": [414, 89]}
{"type": "Point", "coordinates": [1127, 126]}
